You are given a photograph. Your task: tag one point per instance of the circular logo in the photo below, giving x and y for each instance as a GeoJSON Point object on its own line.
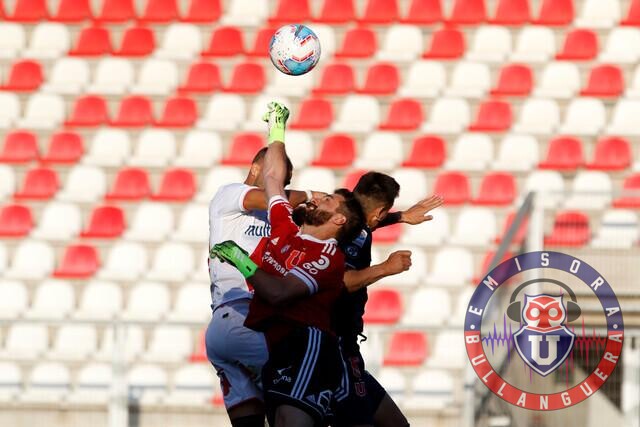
{"type": "Point", "coordinates": [543, 341]}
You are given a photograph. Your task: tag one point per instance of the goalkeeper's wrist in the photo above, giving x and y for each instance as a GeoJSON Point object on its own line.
{"type": "Point", "coordinates": [248, 268]}
{"type": "Point", "coordinates": [276, 134]}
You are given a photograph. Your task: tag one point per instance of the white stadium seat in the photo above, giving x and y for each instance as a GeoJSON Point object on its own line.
{"type": "Point", "coordinates": [69, 76]}
{"type": "Point", "coordinates": [54, 299]}
{"type": "Point", "coordinates": [549, 184]}
{"type": "Point", "coordinates": [299, 148]}
{"type": "Point", "coordinates": [559, 80]}
{"type": "Point", "coordinates": [517, 153]}
{"type": "Point", "coordinates": [43, 112]}
{"type": "Point", "coordinates": [254, 122]}
{"type": "Point", "coordinates": [84, 184]}
{"type": "Point", "coordinates": [9, 109]}
{"type": "Point", "coordinates": [469, 80]}
{"type": "Point", "coordinates": [622, 46]}
{"type": "Point", "coordinates": [534, 44]}
{"type": "Point", "coordinates": [413, 187]}
{"type": "Point", "coordinates": [246, 13]}
{"type": "Point", "coordinates": [216, 178]}
{"type": "Point", "coordinates": [147, 384]}
{"type": "Point", "coordinates": [10, 380]}
{"type": "Point", "coordinates": [327, 38]}
{"type": "Point", "coordinates": [26, 341]}
{"type": "Point", "coordinates": [152, 222]}
{"type": "Point", "coordinates": [109, 148]}
{"type": "Point", "coordinates": [13, 299]}
{"type": "Point", "coordinates": [179, 42]}
{"type": "Point", "coordinates": [48, 383]}
{"type": "Point", "coordinates": [169, 344]}
{"type": "Point", "coordinates": [474, 227]}
{"type": "Point", "coordinates": [430, 233]}
{"type": "Point", "coordinates": [428, 307]}
{"type": "Point", "coordinates": [633, 87]}
{"type": "Point", "coordinates": [58, 221]}
{"type": "Point", "coordinates": [381, 151]}
{"type": "Point", "coordinates": [585, 116]}
{"type": "Point", "coordinates": [452, 266]}
{"type": "Point", "coordinates": [74, 342]}
{"type": "Point", "coordinates": [4, 260]}
{"type": "Point", "coordinates": [173, 262]}
{"type": "Point", "coordinates": [461, 306]}
{"type": "Point", "coordinates": [193, 385]}
{"type": "Point", "coordinates": [490, 44]}
{"type": "Point", "coordinates": [394, 382]}
{"type": "Point", "coordinates": [48, 40]}
{"type": "Point", "coordinates": [201, 149]}
{"type": "Point", "coordinates": [223, 112]}
{"type": "Point", "coordinates": [193, 224]}
{"type": "Point", "coordinates": [284, 85]}
{"type": "Point", "coordinates": [32, 260]}
{"type": "Point", "coordinates": [359, 113]}
{"type": "Point", "coordinates": [93, 385]}
{"type": "Point", "coordinates": [191, 304]}
{"type": "Point", "coordinates": [7, 181]}
{"type": "Point", "coordinates": [624, 120]}
{"type": "Point", "coordinates": [432, 389]}
{"type": "Point", "coordinates": [154, 148]}
{"type": "Point", "coordinates": [401, 43]}
{"type": "Point", "coordinates": [448, 115]}
{"type": "Point", "coordinates": [538, 116]}
{"type": "Point", "coordinates": [618, 229]}
{"type": "Point", "coordinates": [147, 301]}
{"type": "Point", "coordinates": [318, 179]}
{"type": "Point", "coordinates": [113, 76]}
{"type": "Point", "coordinates": [415, 274]}
{"type": "Point", "coordinates": [100, 301]}
{"type": "Point", "coordinates": [591, 190]}
{"type": "Point", "coordinates": [156, 77]}
{"type": "Point", "coordinates": [599, 14]}
{"type": "Point", "coordinates": [425, 79]}
{"type": "Point", "coordinates": [133, 339]}
{"type": "Point", "coordinates": [126, 261]}
{"type": "Point", "coordinates": [472, 152]}
{"type": "Point", "coordinates": [448, 350]}
{"type": "Point", "coordinates": [13, 40]}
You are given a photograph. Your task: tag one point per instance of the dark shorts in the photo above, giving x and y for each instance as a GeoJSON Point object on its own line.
{"type": "Point", "coordinates": [359, 394]}
{"type": "Point", "coordinates": [304, 371]}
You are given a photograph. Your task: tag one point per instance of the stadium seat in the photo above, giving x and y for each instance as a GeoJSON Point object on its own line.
{"type": "Point", "coordinates": [89, 111]}
{"type": "Point", "coordinates": [9, 109]}
{"type": "Point", "coordinates": [113, 76]}
{"type": "Point", "coordinates": [148, 383]}
{"type": "Point", "coordinates": [155, 148]}
{"type": "Point", "coordinates": [570, 228]}
{"type": "Point", "coordinates": [116, 11]}
{"type": "Point", "coordinates": [472, 152]}
{"type": "Point", "coordinates": [193, 385]}
{"type": "Point", "coordinates": [283, 85]}
{"type": "Point", "coordinates": [633, 89]}
{"type": "Point", "coordinates": [322, 179]}
{"type": "Point", "coordinates": [247, 78]}
{"type": "Point", "coordinates": [467, 12]}
{"type": "Point", "coordinates": [359, 113]}
{"type": "Point", "coordinates": [591, 190]}
{"type": "Point", "coordinates": [58, 222]}
{"type": "Point", "coordinates": [32, 260]}
{"type": "Point", "coordinates": [126, 262]}
{"type": "Point", "coordinates": [43, 111]}
{"type": "Point", "coordinates": [173, 262]}
{"type": "Point", "coordinates": [619, 229]}
{"type": "Point", "coordinates": [53, 299]}
{"type": "Point", "coordinates": [202, 77]}
{"type": "Point", "coordinates": [48, 383]}
{"type": "Point", "coordinates": [136, 42]}
{"type": "Point", "coordinates": [92, 385]}
{"type": "Point", "coordinates": [100, 301]}
{"type": "Point", "coordinates": [597, 14]}
{"type": "Point", "coordinates": [352, 178]}
{"type": "Point", "coordinates": [585, 116]}
{"type": "Point", "coordinates": [177, 185]}
{"type": "Point", "coordinates": [486, 263]}
{"type": "Point", "coordinates": [394, 382]}
{"type": "Point", "coordinates": [381, 79]}
{"type": "Point", "coordinates": [109, 148]}
{"type": "Point", "coordinates": [223, 112]}
{"type": "Point", "coordinates": [549, 184]}
{"type": "Point", "coordinates": [448, 116]}
{"type": "Point", "coordinates": [13, 299]}
{"type": "Point", "coordinates": [261, 43]}
{"type": "Point", "coordinates": [336, 79]}
{"type": "Point", "coordinates": [72, 12]}
{"type": "Point", "coordinates": [152, 222]}
{"type": "Point", "coordinates": [534, 44]}
{"type": "Point", "coordinates": [380, 12]}
{"type": "Point", "coordinates": [511, 12]}
{"type": "Point", "coordinates": [492, 116]}
{"type": "Point", "coordinates": [134, 111]}
{"type": "Point", "coordinates": [327, 34]}
{"type": "Point", "coordinates": [288, 11]}
{"type": "Point", "coordinates": [19, 147]}
{"type": "Point", "coordinates": [401, 43]}
{"type": "Point", "coordinates": [74, 343]}
{"type": "Point", "coordinates": [423, 12]}
{"type": "Point", "coordinates": [68, 77]}
{"type": "Point", "coordinates": [514, 80]}
{"type": "Point", "coordinates": [336, 151]}
{"type": "Point", "coordinates": [134, 344]}
{"type": "Point", "coordinates": [469, 80]}
{"type": "Point", "coordinates": [156, 77]}
{"type": "Point", "coordinates": [427, 307]}
{"type": "Point", "coordinates": [246, 13]}
{"type": "Point", "coordinates": [388, 235]}
{"type": "Point", "coordinates": [27, 11]}
{"type": "Point", "coordinates": [336, 12]}
{"type": "Point", "coordinates": [611, 154]}
{"type": "Point", "coordinates": [496, 189]}
{"type": "Point", "coordinates": [38, 184]}
{"type": "Point", "coordinates": [243, 148]}
{"type": "Point", "coordinates": [178, 112]}
{"type": "Point", "coordinates": [48, 41]}
{"type": "Point", "coordinates": [564, 154]}
{"type": "Point", "coordinates": [106, 222]}
{"type": "Point", "coordinates": [426, 152]}
{"type": "Point", "coordinates": [413, 187]}
{"type": "Point", "coordinates": [448, 351]}
{"type": "Point", "coordinates": [193, 222]}
{"type": "Point", "coordinates": [520, 234]}
{"type": "Point", "coordinates": [538, 116]}
{"type": "Point", "coordinates": [446, 44]}
{"type": "Point", "coordinates": [301, 149]}
{"type": "Point", "coordinates": [474, 227]}
{"type": "Point", "coordinates": [159, 12]}
{"type": "Point", "coordinates": [632, 17]}
{"type": "Point", "coordinates": [258, 106]}
{"type": "Point", "coordinates": [84, 184]}
{"type": "Point", "coordinates": [313, 114]}
{"type": "Point", "coordinates": [403, 115]}
{"type": "Point", "coordinates": [78, 262]}
{"type": "Point", "coordinates": [579, 45]}
{"type": "Point", "coordinates": [217, 177]}
{"type": "Point", "coordinates": [381, 150]}
{"type": "Point", "coordinates": [425, 79]}
{"type": "Point", "coordinates": [555, 13]}
{"type": "Point", "coordinates": [24, 76]}
{"type": "Point", "coordinates": [630, 188]}
{"type": "Point", "coordinates": [15, 221]}
{"type": "Point", "coordinates": [623, 46]}
{"type": "Point", "coordinates": [624, 118]}
{"type": "Point", "coordinates": [25, 341]}
{"type": "Point", "coordinates": [169, 344]}
{"type": "Point", "coordinates": [203, 11]}
{"type": "Point", "coordinates": [359, 42]}
{"type": "Point", "coordinates": [180, 41]}
{"type": "Point", "coordinates": [200, 355]}
{"type": "Point", "coordinates": [202, 149]}
{"type": "Point", "coordinates": [453, 186]}
{"type": "Point", "coordinates": [92, 41]}
{"type": "Point", "coordinates": [225, 41]}
{"type": "Point", "coordinates": [13, 41]}
{"type": "Point", "coordinates": [490, 44]}
{"type": "Point", "coordinates": [7, 181]}
{"type": "Point", "coordinates": [406, 349]}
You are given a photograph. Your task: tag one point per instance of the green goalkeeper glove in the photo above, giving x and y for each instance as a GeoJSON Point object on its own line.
{"type": "Point", "coordinates": [276, 115]}
{"type": "Point", "coordinates": [233, 254]}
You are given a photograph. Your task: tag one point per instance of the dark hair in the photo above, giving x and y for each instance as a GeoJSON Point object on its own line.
{"type": "Point", "coordinates": [352, 210]}
{"type": "Point", "coordinates": [375, 188]}
{"type": "Point", "coordinates": [263, 152]}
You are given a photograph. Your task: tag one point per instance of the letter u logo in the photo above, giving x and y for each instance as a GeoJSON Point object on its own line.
{"type": "Point", "coordinates": [295, 258]}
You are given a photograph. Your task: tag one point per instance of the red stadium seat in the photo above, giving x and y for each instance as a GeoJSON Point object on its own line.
{"type": "Point", "coordinates": [631, 184]}
{"type": "Point", "coordinates": [446, 43]}
{"type": "Point", "coordinates": [225, 41]}
{"type": "Point", "coordinates": [177, 185]}
{"type": "Point", "coordinates": [203, 11]}
{"type": "Point", "coordinates": [64, 148]}
{"type": "Point", "coordinates": [243, 148]}
{"type": "Point", "coordinates": [160, 11]}
{"type": "Point", "coordinates": [336, 12]}
{"type": "Point", "coordinates": [352, 179]}
{"type": "Point", "coordinates": [15, 221]}
{"type": "Point", "coordinates": [579, 45]}
{"type": "Point", "coordinates": [93, 41]}
{"type": "Point", "coordinates": [611, 153]}
{"type": "Point", "coordinates": [453, 186]}
{"type": "Point", "coordinates": [633, 15]}
{"type": "Point", "coordinates": [569, 229]}
{"type": "Point", "coordinates": [261, 43]}
{"type": "Point", "coordinates": [78, 262]}
{"type": "Point", "coordinates": [514, 80]}
{"type": "Point", "coordinates": [178, 112]}
{"type": "Point", "coordinates": [19, 147]}
{"type": "Point", "coordinates": [106, 222]}
{"type": "Point", "coordinates": [387, 235]}
{"type": "Point", "coordinates": [130, 184]}
{"type": "Point", "coordinates": [72, 11]}
{"type": "Point", "coordinates": [289, 11]}
{"type": "Point", "coordinates": [493, 116]}
{"type": "Point", "coordinates": [314, 114]}
{"type": "Point", "coordinates": [383, 307]}
{"type": "Point", "coordinates": [426, 152]}
{"type": "Point", "coordinates": [380, 12]}
{"type": "Point", "coordinates": [555, 13]}
{"type": "Point", "coordinates": [564, 153]}
{"type": "Point", "coordinates": [468, 12]}
{"type": "Point", "coordinates": [336, 79]}
{"type": "Point", "coordinates": [24, 76]}
{"type": "Point", "coordinates": [358, 42]}
{"type": "Point", "coordinates": [247, 78]}
{"type": "Point", "coordinates": [605, 81]}
{"type": "Point", "coordinates": [28, 11]}
{"type": "Point", "coordinates": [200, 355]}
{"type": "Point", "coordinates": [134, 111]}
{"type": "Point", "coordinates": [521, 233]}
{"type": "Point", "coordinates": [137, 41]}
{"type": "Point", "coordinates": [406, 349]}
{"type": "Point", "coordinates": [203, 77]}
{"type": "Point", "coordinates": [496, 189]}
{"type": "Point", "coordinates": [404, 115]}
{"type": "Point", "coordinates": [382, 79]}
{"type": "Point", "coordinates": [423, 12]}
{"type": "Point", "coordinates": [337, 151]}
{"type": "Point", "coordinates": [486, 261]}
{"type": "Point", "coordinates": [38, 184]}
{"type": "Point", "coordinates": [512, 12]}
{"type": "Point", "coordinates": [116, 11]}
{"type": "Point", "coordinates": [89, 110]}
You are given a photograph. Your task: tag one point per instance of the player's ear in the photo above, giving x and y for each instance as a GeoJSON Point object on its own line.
{"type": "Point", "coordinates": [255, 170]}
{"type": "Point", "coordinates": [339, 219]}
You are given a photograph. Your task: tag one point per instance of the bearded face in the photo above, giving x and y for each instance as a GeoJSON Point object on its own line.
{"type": "Point", "coordinates": [309, 214]}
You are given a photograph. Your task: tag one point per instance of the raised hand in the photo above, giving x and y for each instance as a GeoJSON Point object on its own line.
{"type": "Point", "coordinates": [229, 252]}
{"type": "Point", "coordinates": [397, 262]}
{"type": "Point", "coordinates": [417, 213]}
{"type": "Point", "coordinates": [276, 116]}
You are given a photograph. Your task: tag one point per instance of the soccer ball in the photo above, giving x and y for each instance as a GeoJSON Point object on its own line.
{"type": "Point", "coordinates": [294, 49]}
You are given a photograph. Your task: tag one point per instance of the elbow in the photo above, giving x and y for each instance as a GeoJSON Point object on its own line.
{"type": "Point", "coordinates": [278, 300]}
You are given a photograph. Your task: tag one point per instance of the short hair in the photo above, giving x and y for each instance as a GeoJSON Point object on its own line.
{"type": "Point", "coordinates": [263, 152]}
{"type": "Point", "coordinates": [352, 211]}
{"type": "Point", "coordinates": [374, 188]}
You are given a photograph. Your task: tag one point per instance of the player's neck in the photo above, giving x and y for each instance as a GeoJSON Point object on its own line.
{"type": "Point", "coordinates": [321, 232]}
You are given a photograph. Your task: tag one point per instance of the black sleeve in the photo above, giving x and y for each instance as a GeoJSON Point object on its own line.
{"type": "Point", "coordinates": [390, 219]}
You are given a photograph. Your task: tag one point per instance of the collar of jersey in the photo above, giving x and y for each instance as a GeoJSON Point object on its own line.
{"type": "Point", "coordinates": [314, 239]}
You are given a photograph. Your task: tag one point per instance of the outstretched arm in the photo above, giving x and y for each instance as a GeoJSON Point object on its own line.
{"type": "Point", "coordinates": [397, 262]}
{"type": "Point", "coordinates": [275, 162]}
{"type": "Point", "coordinates": [416, 214]}
{"type": "Point", "coordinates": [257, 198]}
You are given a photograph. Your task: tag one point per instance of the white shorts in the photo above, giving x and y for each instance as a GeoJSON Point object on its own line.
{"type": "Point", "coordinates": [238, 353]}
